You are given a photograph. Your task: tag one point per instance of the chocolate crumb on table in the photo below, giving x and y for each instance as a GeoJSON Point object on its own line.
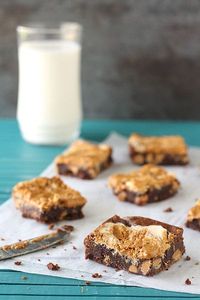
{"type": "Point", "coordinates": [87, 282]}
{"type": "Point", "coordinates": [51, 226]}
{"type": "Point", "coordinates": [148, 184]}
{"type": "Point", "coordinates": [193, 217]}
{"type": "Point", "coordinates": [65, 227]}
{"type": "Point", "coordinates": [188, 281]}
{"type": "Point", "coordinates": [84, 160]}
{"type": "Point", "coordinates": [169, 209]}
{"type": "Point", "coordinates": [48, 200]}
{"type": "Point", "coordinates": [187, 258]}
{"type": "Point", "coordinates": [135, 244]}
{"type": "Point", "coordinates": [53, 267]}
{"type": "Point", "coordinates": [96, 275]}
{"type": "Point", "coordinates": [159, 150]}
{"type": "Point", "coordinates": [18, 263]}
{"type": "Point", "coordinates": [74, 248]}
{"type": "Point", "coordinates": [24, 277]}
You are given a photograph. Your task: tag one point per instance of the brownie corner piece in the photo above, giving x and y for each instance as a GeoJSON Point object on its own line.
{"type": "Point", "coordinates": [84, 160]}
{"type": "Point", "coordinates": [150, 183]}
{"type": "Point", "coordinates": [160, 150]}
{"type": "Point", "coordinates": [48, 200]}
{"type": "Point", "coordinates": [138, 245]}
{"type": "Point", "coordinates": [193, 217]}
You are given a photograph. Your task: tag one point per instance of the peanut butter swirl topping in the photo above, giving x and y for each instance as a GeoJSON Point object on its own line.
{"type": "Point", "coordinates": [140, 181]}
{"type": "Point", "coordinates": [46, 193]}
{"type": "Point", "coordinates": [194, 212]}
{"type": "Point", "coordinates": [162, 144]}
{"type": "Point", "coordinates": [135, 242]}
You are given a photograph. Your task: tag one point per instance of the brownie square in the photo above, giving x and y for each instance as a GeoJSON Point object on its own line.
{"type": "Point", "coordinates": [162, 150]}
{"type": "Point", "coordinates": [148, 184]}
{"type": "Point", "coordinates": [193, 217]}
{"type": "Point", "coordinates": [135, 244]}
{"type": "Point", "coordinates": [48, 200]}
{"type": "Point", "coordinates": [84, 160]}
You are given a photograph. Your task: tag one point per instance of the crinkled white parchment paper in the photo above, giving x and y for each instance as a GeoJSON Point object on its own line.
{"type": "Point", "coordinates": [100, 206]}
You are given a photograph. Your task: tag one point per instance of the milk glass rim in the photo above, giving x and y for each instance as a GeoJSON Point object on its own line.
{"type": "Point", "coordinates": [45, 28]}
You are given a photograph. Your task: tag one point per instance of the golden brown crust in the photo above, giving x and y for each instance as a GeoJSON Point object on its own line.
{"type": "Point", "coordinates": [140, 181]}
{"type": "Point", "coordinates": [85, 156]}
{"type": "Point", "coordinates": [135, 242]}
{"type": "Point", "coordinates": [46, 193]}
{"type": "Point", "coordinates": [174, 145]}
{"type": "Point", "coordinates": [194, 212]}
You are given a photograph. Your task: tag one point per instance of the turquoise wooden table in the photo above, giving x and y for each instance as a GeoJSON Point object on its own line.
{"type": "Point", "coordinates": [21, 161]}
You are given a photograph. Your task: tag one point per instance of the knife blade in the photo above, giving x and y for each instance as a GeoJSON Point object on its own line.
{"type": "Point", "coordinates": [36, 243]}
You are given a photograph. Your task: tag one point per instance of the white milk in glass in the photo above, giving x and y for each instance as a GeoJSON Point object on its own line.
{"type": "Point", "coordinates": [49, 105]}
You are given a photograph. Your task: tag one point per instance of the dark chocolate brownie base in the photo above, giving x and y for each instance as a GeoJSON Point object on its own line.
{"type": "Point", "coordinates": [194, 224]}
{"type": "Point", "coordinates": [54, 215]}
{"type": "Point", "coordinates": [103, 255]}
{"type": "Point", "coordinates": [63, 169]}
{"type": "Point", "coordinates": [167, 159]}
{"type": "Point", "coordinates": [151, 196]}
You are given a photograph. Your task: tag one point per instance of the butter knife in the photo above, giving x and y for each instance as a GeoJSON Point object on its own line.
{"type": "Point", "coordinates": [35, 244]}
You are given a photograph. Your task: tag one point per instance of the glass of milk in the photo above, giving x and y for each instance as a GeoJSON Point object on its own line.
{"type": "Point", "coordinates": [49, 108]}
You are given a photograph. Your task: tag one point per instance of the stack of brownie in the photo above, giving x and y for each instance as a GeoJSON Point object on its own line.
{"type": "Point", "coordinates": [136, 244]}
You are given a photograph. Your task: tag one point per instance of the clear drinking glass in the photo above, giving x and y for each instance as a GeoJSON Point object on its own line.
{"type": "Point", "coordinates": [49, 95]}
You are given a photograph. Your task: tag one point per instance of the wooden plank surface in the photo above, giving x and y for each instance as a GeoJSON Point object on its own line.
{"type": "Point", "coordinates": [21, 161]}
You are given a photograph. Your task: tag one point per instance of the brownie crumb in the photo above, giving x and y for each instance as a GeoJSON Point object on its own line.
{"type": "Point", "coordinates": [53, 267]}
{"type": "Point", "coordinates": [96, 275]}
{"type": "Point", "coordinates": [2, 239]}
{"type": "Point", "coordinates": [82, 276]}
{"type": "Point", "coordinates": [39, 259]}
{"type": "Point", "coordinates": [169, 209]}
{"type": "Point", "coordinates": [18, 263]}
{"type": "Point", "coordinates": [188, 258]}
{"type": "Point", "coordinates": [47, 253]}
{"type": "Point", "coordinates": [87, 282]}
{"type": "Point", "coordinates": [19, 240]}
{"type": "Point", "coordinates": [105, 271]}
{"type": "Point", "coordinates": [53, 247]}
{"type": "Point", "coordinates": [61, 243]}
{"type": "Point", "coordinates": [188, 281]}
{"type": "Point", "coordinates": [51, 226]}
{"type": "Point", "coordinates": [67, 228]}
{"type": "Point", "coordinates": [74, 248]}
{"type": "Point", "coordinates": [24, 277]}
{"type": "Point", "coordinates": [197, 263]}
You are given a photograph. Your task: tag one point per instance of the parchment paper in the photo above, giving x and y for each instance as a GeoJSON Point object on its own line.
{"type": "Point", "coordinates": [101, 205]}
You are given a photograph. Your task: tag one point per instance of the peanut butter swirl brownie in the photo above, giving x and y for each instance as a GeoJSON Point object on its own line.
{"type": "Point", "coordinates": [84, 160]}
{"type": "Point", "coordinates": [135, 244]}
{"type": "Point", "coordinates": [148, 184]}
{"type": "Point", "coordinates": [48, 200]}
{"type": "Point", "coordinates": [163, 150]}
{"type": "Point", "coordinates": [193, 217]}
